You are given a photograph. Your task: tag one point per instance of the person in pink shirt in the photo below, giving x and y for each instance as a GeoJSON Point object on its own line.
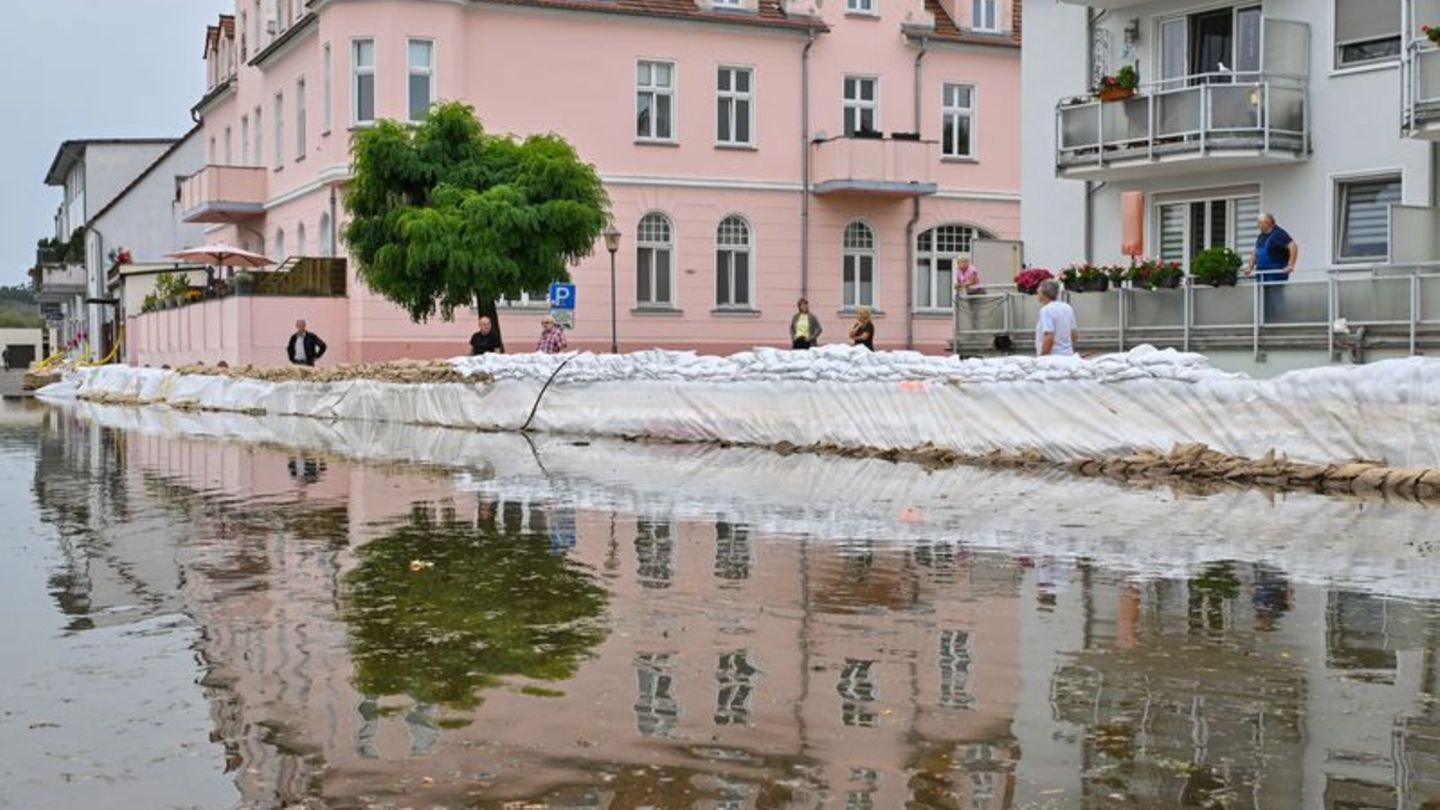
{"type": "Point", "coordinates": [967, 277]}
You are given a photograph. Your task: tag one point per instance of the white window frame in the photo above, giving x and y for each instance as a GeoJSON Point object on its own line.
{"type": "Point", "coordinates": [865, 7]}
{"type": "Point", "coordinates": [244, 140]}
{"type": "Point", "coordinates": [327, 244]}
{"type": "Point", "coordinates": [655, 91]}
{"type": "Point", "coordinates": [849, 253]}
{"type": "Point", "coordinates": [280, 130]}
{"type": "Point", "coordinates": [327, 91]}
{"type": "Point", "coordinates": [985, 16]}
{"type": "Point", "coordinates": [855, 107]}
{"type": "Point", "coordinates": [1233, 226]}
{"type": "Point", "coordinates": [411, 71]}
{"type": "Point", "coordinates": [947, 111]}
{"type": "Point", "coordinates": [730, 251]}
{"type": "Point", "coordinates": [258, 119]}
{"type": "Point", "coordinates": [735, 98]}
{"type": "Point", "coordinates": [356, 71]}
{"type": "Point", "coordinates": [728, 4]}
{"type": "Point", "coordinates": [1337, 44]}
{"type": "Point", "coordinates": [932, 257]}
{"type": "Point", "coordinates": [302, 114]}
{"type": "Point", "coordinates": [211, 154]}
{"type": "Point", "coordinates": [1339, 185]}
{"type": "Point", "coordinates": [229, 150]}
{"type": "Point", "coordinates": [300, 245]}
{"type": "Point", "coordinates": [641, 243]}
{"type": "Point", "coordinates": [279, 245]}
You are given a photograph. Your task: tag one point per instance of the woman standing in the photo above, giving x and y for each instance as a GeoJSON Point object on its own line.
{"type": "Point", "coordinates": [804, 327]}
{"type": "Point", "coordinates": [862, 332]}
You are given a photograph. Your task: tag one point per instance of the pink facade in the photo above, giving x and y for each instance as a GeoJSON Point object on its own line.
{"type": "Point", "coordinates": [583, 69]}
{"type": "Point", "coordinates": [238, 330]}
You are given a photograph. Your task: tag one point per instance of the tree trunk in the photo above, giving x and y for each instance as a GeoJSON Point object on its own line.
{"type": "Point", "coordinates": [487, 309]}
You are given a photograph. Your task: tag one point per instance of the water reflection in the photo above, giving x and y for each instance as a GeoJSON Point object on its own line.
{"type": "Point", "coordinates": [554, 646]}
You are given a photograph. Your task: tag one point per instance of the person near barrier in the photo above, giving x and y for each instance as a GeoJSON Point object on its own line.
{"type": "Point", "coordinates": [552, 337]}
{"type": "Point", "coordinates": [1272, 263]}
{"type": "Point", "coordinates": [804, 327]}
{"type": "Point", "coordinates": [862, 332]}
{"type": "Point", "coordinates": [305, 347]}
{"type": "Point", "coordinates": [967, 277]}
{"type": "Point", "coordinates": [1055, 332]}
{"type": "Point", "coordinates": [485, 341]}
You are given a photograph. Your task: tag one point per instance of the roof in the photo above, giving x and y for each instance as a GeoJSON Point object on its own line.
{"type": "Point", "coordinates": [179, 142]}
{"type": "Point", "coordinates": [72, 151]}
{"type": "Point", "coordinates": [947, 31]}
{"type": "Point", "coordinates": [771, 12]}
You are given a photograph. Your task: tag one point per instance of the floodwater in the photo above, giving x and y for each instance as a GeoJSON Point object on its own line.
{"type": "Point", "coordinates": [225, 611]}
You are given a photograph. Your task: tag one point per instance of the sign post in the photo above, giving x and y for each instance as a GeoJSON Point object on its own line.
{"type": "Point", "coordinates": [562, 304]}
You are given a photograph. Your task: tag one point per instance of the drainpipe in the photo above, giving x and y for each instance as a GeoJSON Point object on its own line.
{"type": "Point", "coordinates": [1091, 18]}
{"type": "Point", "coordinates": [804, 164]}
{"type": "Point", "coordinates": [914, 220]}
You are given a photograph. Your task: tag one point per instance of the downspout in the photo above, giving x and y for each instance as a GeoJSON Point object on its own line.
{"type": "Point", "coordinates": [804, 163]}
{"type": "Point", "coordinates": [1091, 18]}
{"type": "Point", "coordinates": [914, 220]}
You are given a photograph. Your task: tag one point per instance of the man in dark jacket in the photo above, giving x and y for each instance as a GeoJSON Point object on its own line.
{"type": "Point", "coordinates": [486, 341]}
{"type": "Point", "coordinates": [304, 347]}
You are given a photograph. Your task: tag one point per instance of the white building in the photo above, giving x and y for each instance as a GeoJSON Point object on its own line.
{"type": "Point", "coordinates": [1288, 106]}
{"type": "Point", "coordinates": [94, 172]}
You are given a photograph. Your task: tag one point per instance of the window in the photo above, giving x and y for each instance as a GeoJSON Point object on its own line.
{"type": "Point", "coordinates": [300, 119]}
{"type": "Point", "coordinates": [860, 6]}
{"type": "Point", "coordinates": [210, 156]}
{"type": "Point", "coordinates": [733, 106]}
{"type": "Point", "coordinates": [1187, 227]}
{"type": "Point", "coordinates": [857, 693]}
{"type": "Point", "coordinates": [1366, 31]}
{"type": "Point", "coordinates": [657, 708]}
{"type": "Point", "coordinates": [861, 104]}
{"type": "Point", "coordinates": [280, 243]}
{"type": "Point", "coordinates": [728, 3]}
{"type": "Point", "coordinates": [279, 130]}
{"type": "Point", "coordinates": [1217, 45]}
{"type": "Point", "coordinates": [244, 48]}
{"type": "Point", "coordinates": [227, 146]}
{"type": "Point", "coordinates": [655, 101]}
{"type": "Point", "coordinates": [735, 678]}
{"type": "Point", "coordinates": [935, 253]}
{"type": "Point", "coordinates": [245, 140]}
{"type": "Point", "coordinates": [362, 68]}
{"type": "Point", "coordinates": [958, 119]}
{"type": "Point", "coordinates": [300, 239]}
{"type": "Point", "coordinates": [858, 274]}
{"type": "Point", "coordinates": [732, 263]}
{"type": "Point", "coordinates": [259, 157]}
{"type": "Point", "coordinates": [1363, 208]}
{"type": "Point", "coordinates": [955, 661]}
{"type": "Point", "coordinates": [654, 247]}
{"type": "Point", "coordinates": [421, 56]}
{"type": "Point", "coordinates": [326, 245]}
{"type": "Point", "coordinates": [983, 15]}
{"type": "Point", "coordinates": [325, 93]}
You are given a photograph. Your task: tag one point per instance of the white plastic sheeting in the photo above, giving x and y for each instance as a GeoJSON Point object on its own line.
{"type": "Point", "coordinates": [1063, 408]}
{"type": "Point", "coordinates": [1148, 532]}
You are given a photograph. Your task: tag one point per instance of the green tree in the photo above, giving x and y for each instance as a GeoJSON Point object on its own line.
{"type": "Point", "coordinates": [444, 215]}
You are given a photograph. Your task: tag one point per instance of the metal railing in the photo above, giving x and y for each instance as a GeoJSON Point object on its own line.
{"type": "Point", "coordinates": [1372, 308]}
{"type": "Point", "coordinates": [1202, 113]}
{"type": "Point", "coordinates": [1421, 84]}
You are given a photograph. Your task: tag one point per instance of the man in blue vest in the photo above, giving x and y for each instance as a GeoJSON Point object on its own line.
{"type": "Point", "coordinates": [1274, 259]}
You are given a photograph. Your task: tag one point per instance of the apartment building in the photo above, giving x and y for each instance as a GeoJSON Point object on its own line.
{"type": "Point", "coordinates": [754, 151]}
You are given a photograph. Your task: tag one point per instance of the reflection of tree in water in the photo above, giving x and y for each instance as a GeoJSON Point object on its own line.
{"type": "Point", "coordinates": [495, 603]}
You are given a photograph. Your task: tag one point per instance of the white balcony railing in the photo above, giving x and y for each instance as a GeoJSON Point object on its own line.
{"type": "Point", "coordinates": [1226, 118]}
{"type": "Point", "coordinates": [1420, 72]}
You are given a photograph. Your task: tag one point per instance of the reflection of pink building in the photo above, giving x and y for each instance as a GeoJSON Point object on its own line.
{"type": "Point", "coordinates": [752, 153]}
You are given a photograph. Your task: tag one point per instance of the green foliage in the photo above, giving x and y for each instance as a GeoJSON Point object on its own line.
{"type": "Point", "coordinates": [71, 251]}
{"type": "Point", "coordinates": [495, 603]}
{"type": "Point", "coordinates": [18, 309]}
{"type": "Point", "coordinates": [1216, 266]}
{"type": "Point", "coordinates": [171, 285]}
{"type": "Point", "coordinates": [444, 215]}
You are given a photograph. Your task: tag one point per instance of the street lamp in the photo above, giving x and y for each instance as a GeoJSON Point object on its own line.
{"type": "Point", "coordinates": [612, 244]}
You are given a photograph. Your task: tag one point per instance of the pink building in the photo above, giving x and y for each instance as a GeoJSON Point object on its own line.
{"type": "Point", "coordinates": [753, 154]}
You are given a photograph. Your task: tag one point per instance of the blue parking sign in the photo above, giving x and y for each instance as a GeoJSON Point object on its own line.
{"type": "Point", "coordinates": [562, 296]}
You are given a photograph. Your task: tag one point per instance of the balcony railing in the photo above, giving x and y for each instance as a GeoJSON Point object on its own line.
{"type": "Point", "coordinates": [894, 167]}
{"type": "Point", "coordinates": [223, 194]}
{"type": "Point", "coordinates": [1420, 72]}
{"type": "Point", "coordinates": [55, 282]}
{"type": "Point", "coordinates": [1203, 122]}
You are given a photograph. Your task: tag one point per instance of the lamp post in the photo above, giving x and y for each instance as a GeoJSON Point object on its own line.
{"type": "Point", "coordinates": [612, 244]}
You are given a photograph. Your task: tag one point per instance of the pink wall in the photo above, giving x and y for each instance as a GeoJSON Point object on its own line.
{"type": "Point", "coordinates": [237, 329]}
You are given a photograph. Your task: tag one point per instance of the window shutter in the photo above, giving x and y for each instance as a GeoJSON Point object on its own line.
{"type": "Point", "coordinates": [1172, 233]}
{"type": "Point", "coordinates": [1365, 224]}
{"type": "Point", "coordinates": [1360, 20]}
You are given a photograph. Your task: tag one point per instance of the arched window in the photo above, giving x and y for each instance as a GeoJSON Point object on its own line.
{"type": "Point", "coordinates": [327, 248]}
{"type": "Point", "coordinates": [732, 263]}
{"type": "Point", "coordinates": [300, 245]}
{"type": "Point", "coordinates": [858, 272]}
{"type": "Point", "coordinates": [935, 252]}
{"type": "Point", "coordinates": [654, 261]}
{"type": "Point", "coordinates": [279, 244]}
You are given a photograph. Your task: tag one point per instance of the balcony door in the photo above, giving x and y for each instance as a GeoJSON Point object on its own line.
{"type": "Point", "coordinates": [1214, 47]}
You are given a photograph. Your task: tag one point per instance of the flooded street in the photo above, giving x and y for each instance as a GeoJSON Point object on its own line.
{"type": "Point", "coordinates": [207, 610]}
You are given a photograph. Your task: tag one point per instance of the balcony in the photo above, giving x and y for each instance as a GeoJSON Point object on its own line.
{"type": "Point", "coordinates": [224, 194]}
{"type": "Point", "coordinates": [874, 166]}
{"type": "Point", "coordinates": [58, 281]}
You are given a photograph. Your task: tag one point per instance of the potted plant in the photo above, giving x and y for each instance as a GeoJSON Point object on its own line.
{"type": "Point", "coordinates": [244, 282]}
{"type": "Point", "coordinates": [149, 303]}
{"type": "Point", "coordinates": [1217, 266]}
{"type": "Point", "coordinates": [1431, 33]}
{"type": "Point", "coordinates": [1028, 281]}
{"type": "Point", "coordinates": [1119, 85]}
{"type": "Point", "coordinates": [1085, 278]}
{"type": "Point", "coordinates": [1117, 274]}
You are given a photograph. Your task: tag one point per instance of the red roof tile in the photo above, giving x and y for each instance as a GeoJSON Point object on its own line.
{"type": "Point", "coordinates": [946, 30]}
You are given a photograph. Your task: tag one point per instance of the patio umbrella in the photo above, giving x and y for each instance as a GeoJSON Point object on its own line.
{"type": "Point", "coordinates": [222, 255]}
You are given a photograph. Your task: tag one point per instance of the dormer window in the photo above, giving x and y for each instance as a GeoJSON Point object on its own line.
{"type": "Point", "coordinates": [984, 16]}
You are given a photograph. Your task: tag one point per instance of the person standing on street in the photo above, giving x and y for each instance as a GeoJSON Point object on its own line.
{"type": "Point", "coordinates": [552, 337]}
{"type": "Point", "coordinates": [1055, 332]}
{"type": "Point", "coordinates": [1273, 261]}
{"type": "Point", "coordinates": [485, 341]}
{"type": "Point", "coordinates": [804, 327]}
{"type": "Point", "coordinates": [305, 347]}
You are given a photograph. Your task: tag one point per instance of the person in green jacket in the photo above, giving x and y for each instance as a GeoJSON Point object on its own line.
{"type": "Point", "coordinates": [804, 327]}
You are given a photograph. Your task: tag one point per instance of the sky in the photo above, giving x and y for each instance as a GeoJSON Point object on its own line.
{"type": "Point", "coordinates": [87, 69]}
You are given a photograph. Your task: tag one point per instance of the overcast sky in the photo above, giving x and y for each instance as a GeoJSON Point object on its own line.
{"type": "Point", "coordinates": [86, 69]}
